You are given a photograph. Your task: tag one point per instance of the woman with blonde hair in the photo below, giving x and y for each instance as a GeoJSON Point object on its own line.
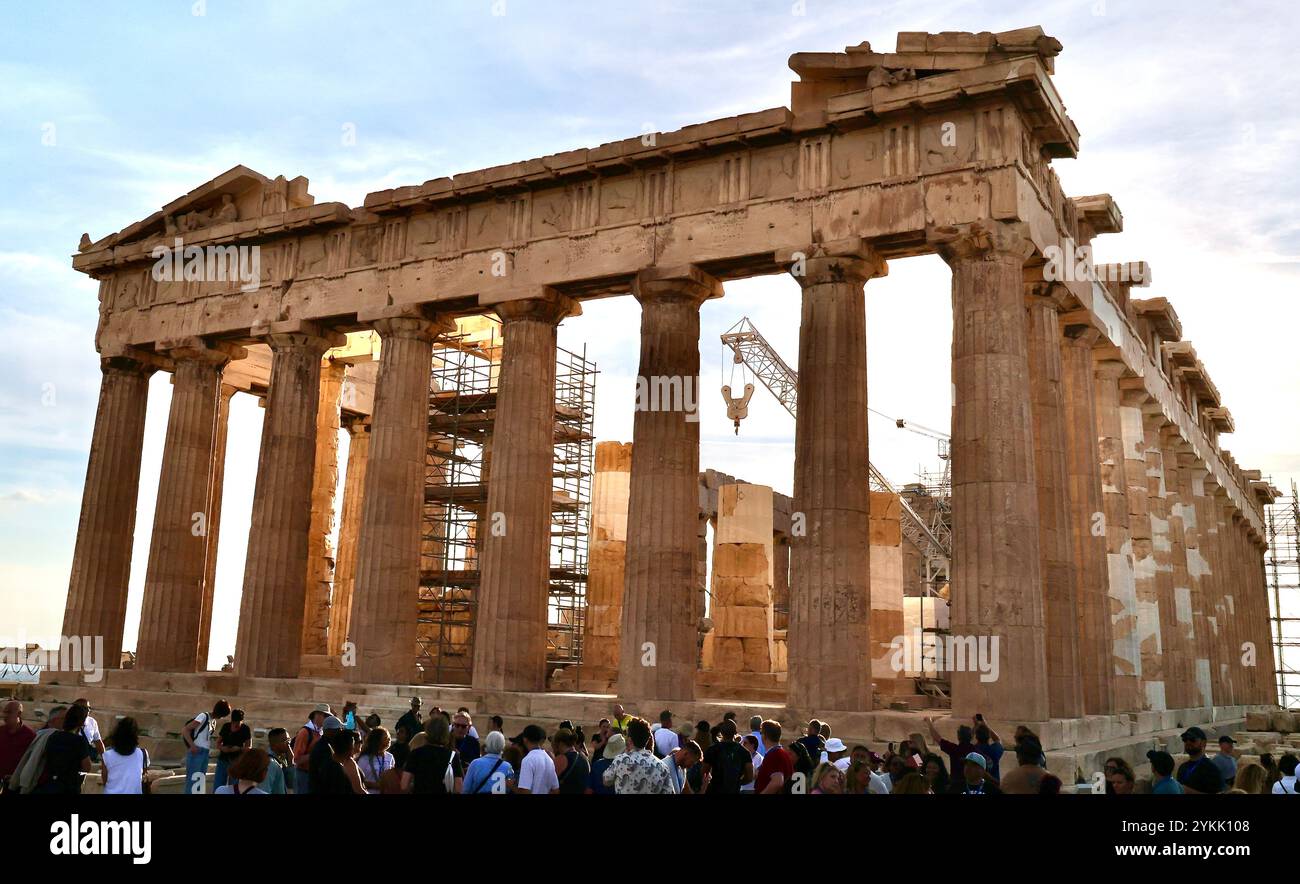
{"type": "Point", "coordinates": [827, 779]}
{"type": "Point", "coordinates": [911, 784]}
{"type": "Point", "coordinates": [1252, 779]}
{"type": "Point", "coordinates": [916, 760]}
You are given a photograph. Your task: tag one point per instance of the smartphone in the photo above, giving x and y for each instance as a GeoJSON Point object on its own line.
{"type": "Point", "coordinates": [917, 759]}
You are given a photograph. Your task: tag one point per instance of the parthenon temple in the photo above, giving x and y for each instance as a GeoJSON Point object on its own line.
{"type": "Point", "coordinates": [1104, 543]}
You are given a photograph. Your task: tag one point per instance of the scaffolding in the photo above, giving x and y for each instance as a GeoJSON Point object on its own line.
{"type": "Point", "coordinates": [462, 413]}
{"type": "Point", "coordinates": [1282, 567]}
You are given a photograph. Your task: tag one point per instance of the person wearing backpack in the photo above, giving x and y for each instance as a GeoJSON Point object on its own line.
{"type": "Point", "coordinates": [306, 739]}
{"type": "Point", "coordinates": [434, 768]}
{"type": "Point", "coordinates": [484, 773]}
{"type": "Point", "coordinates": [727, 764]}
{"type": "Point", "coordinates": [197, 735]}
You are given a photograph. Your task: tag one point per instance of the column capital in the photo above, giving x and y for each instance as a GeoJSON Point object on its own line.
{"type": "Point", "coordinates": [295, 333]}
{"type": "Point", "coordinates": [682, 282]}
{"type": "Point", "coordinates": [356, 424]}
{"type": "Point", "coordinates": [546, 306]}
{"type": "Point", "coordinates": [983, 240]}
{"type": "Point", "coordinates": [841, 260]}
{"type": "Point", "coordinates": [415, 321]}
{"type": "Point", "coordinates": [195, 349]}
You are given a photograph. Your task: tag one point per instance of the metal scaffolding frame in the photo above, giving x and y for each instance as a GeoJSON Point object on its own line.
{"type": "Point", "coordinates": [1282, 570]}
{"type": "Point", "coordinates": [462, 413]}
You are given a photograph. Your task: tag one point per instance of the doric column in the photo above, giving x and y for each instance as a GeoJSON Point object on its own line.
{"type": "Point", "coordinates": [1062, 620]}
{"type": "Point", "coordinates": [1268, 654]}
{"type": "Point", "coordinates": [997, 576]}
{"type": "Point", "coordinates": [606, 557]}
{"type": "Point", "coordinates": [1087, 519]}
{"type": "Point", "coordinates": [214, 523]}
{"type": "Point", "coordinates": [1191, 494]}
{"type": "Point", "coordinates": [828, 636]}
{"type": "Point", "coordinates": [275, 574]}
{"type": "Point", "coordinates": [345, 570]}
{"type": "Point", "coordinates": [1182, 643]}
{"type": "Point", "coordinates": [1146, 585]}
{"type": "Point", "coordinates": [386, 591]}
{"type": "Point", "coordinates": [1121, 580]}
{"type": "Point", "coordinates": [510, 623]}
{"type": "Point", "coordinates": [101, 560]}
{"type": "Point", "coordinates": [1229, 646]}
{"type": "Point", "coordinates": [1153, 425]}
{"type": "Point", "coordinates": [659, 645]}
{"type": "Point", "coordinates": [1207, 520]}
{"type": "Point", "coordinates": [325, 482]}
{"type": "Point", "coordinates": [172, 608]}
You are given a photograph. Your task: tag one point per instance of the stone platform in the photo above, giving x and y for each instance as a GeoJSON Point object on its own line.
{"type": "Point", "coordinates": [163, 702]}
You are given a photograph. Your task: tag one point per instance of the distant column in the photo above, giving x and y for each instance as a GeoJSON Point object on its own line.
{"type": "Point", "coordinates": [659, 648]}
{"type": "Point", "coordinates": [387, 588]}
{"type": "Point", "coordinates": [1162, 549]}
{"type": "Point", "coordinates": [269, 644]}
{"type": "Point", "coordinates": [828, 636]}
{"type": "Point", "coordinates": [172, 608]}
{"type": "Point", "coordinates": [214, 524]}
{"type": "Point", "coordinates": [1191, 493]}
{"type": "Point", "coordinates": [1182, 646]}
{"type": "Point", "coordinates": [605, 559]}
{"type": "Point", "coordinates": [997, 585]}
{"type": "Point", "coordinates": [101, 560]}
{"type": "Point", "coordinates": [1146, 585]}
{"type": "Point", "coordinates": [345, 570]}
{"type": "Point", "coordinates": [325, 481]}
{"type": "Point", "coordinates": [510, 623]}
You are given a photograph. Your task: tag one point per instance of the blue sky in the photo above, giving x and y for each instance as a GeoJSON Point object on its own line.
{"type": "Point", "coordinates": [108, 111]}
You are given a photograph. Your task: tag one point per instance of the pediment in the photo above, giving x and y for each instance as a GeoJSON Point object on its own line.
{"type": "Point", "coordinates": [239, 194]}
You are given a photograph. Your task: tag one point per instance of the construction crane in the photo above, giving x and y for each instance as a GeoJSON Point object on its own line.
{"type": "Point", "coordinates": [751, 350]}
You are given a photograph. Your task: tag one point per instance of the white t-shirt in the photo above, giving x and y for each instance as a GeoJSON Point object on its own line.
{"type": "Point", "coordinates": [372, 768]}
{"type": "Point", "coordinates": [880, 784]}
{"type": "Point", "coordinates": [666, 740]}
{"type": "Point", "coordinates": [90, 730]}
{"type": "Point", "coordinates": [124, 772]}
{"type": "Point", "coordinates": [203, 733]}
{"type": "Point", "coordinates": [1284, 786]}
{"type": "Point", "coordinates": [537, 773]}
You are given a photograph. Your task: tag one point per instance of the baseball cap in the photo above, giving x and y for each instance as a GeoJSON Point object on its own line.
{"type": "Point", "coordinates": [1193, 733]}
{"type": "Point", "coordinates": [331, 724]}
{"type": "Point", "coordinates": [1226, 739]}
{"type": "Point", "coordinates": [976, 758]}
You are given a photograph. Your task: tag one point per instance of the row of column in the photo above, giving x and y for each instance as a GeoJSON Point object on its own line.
{"type": "Point", "coordinates": [1092, 554]}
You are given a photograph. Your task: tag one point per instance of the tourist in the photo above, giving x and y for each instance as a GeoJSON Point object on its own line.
{"type": "Point", "coordinates": [1198, 775]}
{"type": "Point", "coordinates": [320, 774]}
{"type": "Point", "coordinates": [434, 768]}
{"type": "Point", "coordinates": [375, 759]}
{"type": "Point", "coordinates": [804, 763]}
{"type": "Point", "coordinates": [755, 723]}
{"type": "Point", "coordinates": [537, 770]}
{"type": "Point", "coordinates": [911, 783]}
{"type": "Point", "coordinates": [1251, 779]}
{"type": "Point", "coordinates": [123, 764]}
{"type": "Point", "coordinates": [776, 773]}
{"type": "Point", "coordinates": [464, 710]}
{"type": "Point", "coordinates": [857, 780]}
{"type": "Point", "coordinates": [489, 774]}
{"type": "Point", "coordinates": [989, 744]}
{"type": "Point", "coordinates": [1024, 733]}
{"type": "Point", "coordinates": [680, 762]}
{"type": "Point", "coordinates": [401, 748]}
{"type": "Point", "coordinates": [411, 720]}
{"type": "Point", "coordinates": [336, 772]}
{"type": "Point", "coordinates": [1269, 764]}
{"type": "Point", "coordinates": [1029, 772]}
{"type": "Point", "coordinates": [601, 738]}
{"type": "Point", "coordinates": [279, 766]}
{"type": "Point", "coordinates": [615, 746]}
{"type": "Point", "coordinates": [349, 716]}
{"type": "Point", "coordinates": [637, 771]}
{"type": "Point", "coordinates": [247, 773]}
{"type": "Point", "coordinates": [1286, 783]}
{"type": "Point", "coordinates": [31, 765]}
{"type": "Point", "coordinates": [1162, 774]}
{"type": "Point", "coordinates": [812, 740]}
{"type": "Point", "coordinates": [234, 737]}
{"type": "Point", "coordinates": [836, 753]}
{"type": "Point", "coordinates": [620, 720]}
{"type": "Point", "coordinates": [703, 734]}
{"type": "Point", "coordinates": [572, 770]}
{"type": "Point", "coordinates": [1050, 784]}
{"type": "Point", "coordinates": [666, 740]}
{"type": "Point", "coordinates": [727, 765]}
{"type": "Point", "coordinates": [918, 750]}
{"type": "Point", "coordinates": [957, 751]}
{"type": "Point", "coordinates": [1120, 779]}
{"type": "Point", "coordinates": [827, 779]}
{"type": "Point", "coordinates": [304, 742]}
{"type": "Point", "coordinates": [1226, 760]}
{"type": "Point", "coordinates": [467, 744]}
{"type": "Point", "coordinates": [197, 735]}
{"type": "Point", "coordinates": [67, 756]}
{"type": "Point", "coordinates": [755, 760]}
{"type": "Point", "coordinates": [91, 731]}
{"type": "Point", "coordinates": [15, 737]}
{"type": "Point", "coordinates": [936, 774]}
{"type": "Point", "coordinates": [976, 779]}
{"type": "Point", "coordinates": [895, 769]}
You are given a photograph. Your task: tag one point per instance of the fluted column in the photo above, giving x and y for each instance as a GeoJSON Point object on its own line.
{"type": "Point", "coordinates": [1087, 519]}
{"type": "Point", "coordinates": [1268, 686]}
{"type": "Point", "coordinates": [101, 560]}
{"type": "Point", "coordinates": [172, 607]}
{"type": "Point", "coordinates": [387, 588]}
{"type": "Point", "coordinates": [214, 523]}
{"type": "Point", "coordinates": [275, 574]}
{"type": "Point", "coordinates": [1061, 614]}
{"type": "Point", "coordinates": [828, 636]}
{"type": "Point", "coordinates": [510, 623]}
{"type": "Point", "coordinates": [1227, 655]}
{"type": "Point", "coordinates": [1162, 551]}
{"type": "Point", "coordinates": [997, 584]}
{"type": "Point", "coordinates": [1182, 644]}
{"type": "Point", "coordinates": [1146, 584]}
{"type": "Point", "coordinates": [1126, 655]}
{"type": "Point", "coordinates": [345, 570]}
{"type": "Point", "coordinates": [325, 481]}
{"type": "Point", "coordinates": [658, 647]}
{"type": "Point", "coordinates": [1191, 493]}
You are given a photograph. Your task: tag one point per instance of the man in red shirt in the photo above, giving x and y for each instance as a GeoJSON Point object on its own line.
{"type": "Point", "coordinates": [15, 737]}
{"type": "Point", "coordinates": [777, 770]}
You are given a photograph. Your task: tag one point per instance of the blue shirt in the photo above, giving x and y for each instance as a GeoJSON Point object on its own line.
{"type": "Point", "coordinates": [273, 782]}
{"type": "Point", "coordinates": [1166, 786]}
{"type": "Point", "coordinates": [993, 752]}
{"type": "Point", "coordinates": [596, 782]}
{"type": "Point", "coordinates": [477, 779]}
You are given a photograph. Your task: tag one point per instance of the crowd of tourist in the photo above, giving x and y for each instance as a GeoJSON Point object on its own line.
{"type": "Point", "coordinates": [444, 754]}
